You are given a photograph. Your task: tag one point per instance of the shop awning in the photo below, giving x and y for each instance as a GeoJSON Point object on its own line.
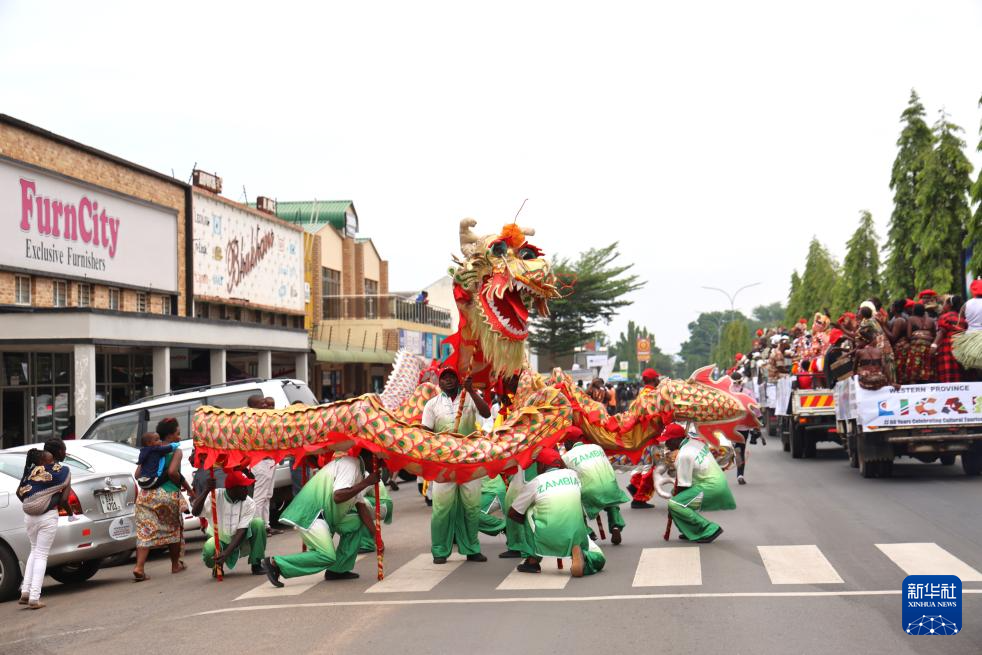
{"type": "Point", "coordinates": [336, 356]}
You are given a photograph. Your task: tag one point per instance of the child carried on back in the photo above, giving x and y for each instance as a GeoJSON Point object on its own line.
{"type": "Point", "coordinates": [150, 465]}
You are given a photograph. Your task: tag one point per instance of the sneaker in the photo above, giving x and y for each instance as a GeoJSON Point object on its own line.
{"type": "Point", "coordinates": [24, 600]}
{"type": "Point", "coordinates": [477, 557]}
{"type": "Point", "coordinates": [741, 480]}
{"type": "Point", "coordinates": [439, 560]}
{"type": "Point", "coordinates": [711, 538]}
{"type": "Point", "coordinates": [615, 536]}
{"type": "Point", "coordinates": [640, 504]}
{"type": "Point", "coordinates": [682, 537]}
{"type": "Point", "coordinates": [631, 489]}
{"type": "Point", "coordinates": [510, 554]}
{"type": "Point", "coordinates": [527, 567]}
{"type": "Point", "coordinates": [258, 569]}
{"type": "Point", "coordinates": [429, 502]}
{"type": "Point", "coordinates": [272, 573]}
{"type": "Point", "coordinates": [347, 575]}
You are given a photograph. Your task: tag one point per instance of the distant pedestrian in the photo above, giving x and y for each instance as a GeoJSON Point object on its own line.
{"type": "Point", "coordinates": [44, 487]}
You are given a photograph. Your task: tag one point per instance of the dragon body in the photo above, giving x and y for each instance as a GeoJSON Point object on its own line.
{"type": "Point", "coordinates": [497, 279]}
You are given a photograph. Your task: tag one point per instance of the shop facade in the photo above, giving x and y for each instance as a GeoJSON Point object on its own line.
{"type": "Point", "coordinates": [97, 294]}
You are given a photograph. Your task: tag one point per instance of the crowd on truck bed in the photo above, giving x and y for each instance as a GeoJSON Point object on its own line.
{"type": "Point", "coordinates": [933, 338]}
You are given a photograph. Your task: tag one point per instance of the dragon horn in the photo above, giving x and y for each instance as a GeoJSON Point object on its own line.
{"type": "Point", "coordinates": [467, 236]}
{"type": "Point", "coordinates": [528, 231]}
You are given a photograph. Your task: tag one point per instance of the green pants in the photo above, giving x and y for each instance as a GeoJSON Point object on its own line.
{"type": "Point", "coordinates": [683, 509]}
{"type": "Point", "coordinates": [323, 555]}
{"type": "Point", "coordinates": [614, 518]}
{"type": "Point", "coordinates": [517, 537]}
{"type": "Point", "coordinates": [456, 518]}
{"type": "Point", "coordinates": [254, 545]}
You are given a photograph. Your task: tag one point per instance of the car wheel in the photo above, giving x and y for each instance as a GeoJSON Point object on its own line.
{"type": "Point", "coordinates": [119, 558]}
{"type": "Point", "coordinates": [75, 573]}
{"type": "Point", "coordinates": [9, 574]}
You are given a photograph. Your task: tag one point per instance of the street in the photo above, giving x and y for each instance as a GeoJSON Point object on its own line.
{"type": "Point", "coordinates": [838, 591]}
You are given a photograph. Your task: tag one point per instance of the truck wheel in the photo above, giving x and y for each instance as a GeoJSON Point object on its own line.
{"type": "Point", "coordinates": [771, 422]}
{"type": "Point", "coordinates": [851, 449]}
{"type": "Point", "coordinates": [884, 469]}
{"type": "Point", "coordinates": [785, 437]}
{"type": "Point", "coordinates": [811, 441]}
{"type": "Point", "coordinates": [972, 462]}
{"type": "Point", "coordinates": [797, 441]}
{"type": "Point", "coordinates": [9, 574]}
{"type": "Point", "coordinates": [947, 460]}
{"type": "Point", "coordinates": [867, 469]}
{"type": "Point", "coordinates": [75, 573]}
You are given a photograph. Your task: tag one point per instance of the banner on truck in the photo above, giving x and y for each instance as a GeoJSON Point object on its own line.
{"type": "Point", "coordinates": [953, 403]}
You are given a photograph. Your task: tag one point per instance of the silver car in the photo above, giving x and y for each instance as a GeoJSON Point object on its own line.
{"type": "Point", "coordinates": [104, 505]}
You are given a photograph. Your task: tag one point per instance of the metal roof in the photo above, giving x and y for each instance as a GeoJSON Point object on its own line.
{"type": "Point", "coordinates": [331, 212]}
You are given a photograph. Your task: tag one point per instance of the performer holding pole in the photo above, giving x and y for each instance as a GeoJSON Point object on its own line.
{"type": "Point", "coordinates": [700, 484]}
{"type": "Point", "coordinates": [456, 507]}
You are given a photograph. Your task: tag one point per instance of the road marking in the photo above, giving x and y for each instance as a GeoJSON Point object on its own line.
{"type": "Point", "coordinates": [293, 586]}
{"type": "Point", "coordinates": [558, 599]}
{"type": "Point", "coordinates": [550, 578]}
{"type": "Point", "coordinates": [797, 565]}
{"type": "Point", "coordinates": [668, 567]}
{"type": "Point", "coordinates": [929, 559]}
{"type": "Point", "coordinates": [419, 574]}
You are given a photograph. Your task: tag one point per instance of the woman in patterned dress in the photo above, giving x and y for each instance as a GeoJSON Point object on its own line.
{"type": "Point", "coordinates": [921, 332]}
{"type": "Point", "coordinates": [158, 511]}
{"type": "Point", "coordinates": [898, 335]}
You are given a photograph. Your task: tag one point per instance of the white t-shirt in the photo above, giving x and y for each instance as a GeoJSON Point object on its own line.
{"type": "Point", "coordinates": [232, 517]}
{"type": "Point", "coordinates": [973, 314]}
{"type": "Point", "coordinates": [694, 458]}
{"type": "Point", "coordinates": [440, 412]}
{"type": "Point", "coordinates": [346, 472]}
{"type": "Point", "coordinates": [554, 484]}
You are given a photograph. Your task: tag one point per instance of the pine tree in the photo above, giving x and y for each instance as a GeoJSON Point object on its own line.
{"type": "Point", "coordinates": [973, 232]}
{"type": "Point", "coordinates": [914, 145]}
{"type": "Point", "coordinates": [794, 299]}
{"type": "Point", "coordinates": [815, 289]}
{"type": "Point", "coordinates": [860, 278]}
{"type": "Point", "coordinates": [943, 212]}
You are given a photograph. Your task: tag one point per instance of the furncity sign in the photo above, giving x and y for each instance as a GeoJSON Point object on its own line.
{"type": "Point", "coordinates": [68, 228]}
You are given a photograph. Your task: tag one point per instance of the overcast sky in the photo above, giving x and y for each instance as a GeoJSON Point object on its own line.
{"type": "Point", "coordinates": [711, 139]}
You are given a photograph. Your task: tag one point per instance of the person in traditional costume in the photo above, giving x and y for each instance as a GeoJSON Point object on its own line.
{"type": "Point", "coordinates": [700, 484]}
{"type": "Point", "coordinates": [950, 324]}
{"type": "Point", "coordinates": [921, 331]}
{"type": "Point", "coordinates": [366, 542]}
{"type": "Point", "coordinates": [551, 504]}
{"type": "Point", "coordinates": [492, 499]}
{"type": "Point", "coordinates": [867, 315]}
{"type": "Point", "coordinates": [456, 507]}
{"type": "Point", "coordinates": [897, 330]}
{"type": "Point", "coordinates": [931, 301]}
{"type": "Point", "coordinates": [331, 503]}
{"type": "Point", "coordinates": [642, 486]}
{"type": "Point", "coordinates": [598, 486]}
{"type": "Point", "coordinates": [241, 528]}
{"type": "Point", "coordinates": [819, 343]}
{"type": "Point", "coordinates": [967, 346]}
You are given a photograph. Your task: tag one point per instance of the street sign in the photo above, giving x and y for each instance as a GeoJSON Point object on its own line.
{"type": "Point", "coordinates": [644, 349]}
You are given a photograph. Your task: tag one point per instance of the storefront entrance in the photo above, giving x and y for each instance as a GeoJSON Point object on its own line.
{"type": "Point", "coordinates": [13, 417]}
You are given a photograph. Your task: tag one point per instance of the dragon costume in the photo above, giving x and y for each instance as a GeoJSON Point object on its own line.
{"type": "Point", "coordinates": [495, 281]}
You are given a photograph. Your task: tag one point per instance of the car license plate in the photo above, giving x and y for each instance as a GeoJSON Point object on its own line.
{"type": "Point", "coordinates": [111, 503]}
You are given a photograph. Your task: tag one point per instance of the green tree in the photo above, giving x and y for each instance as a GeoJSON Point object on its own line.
{"type": "Point", "coordinates": [599, 289]}
{"type": "Point", "coordinates": [705, 335]}
{"type": "Point", "coordinates": [766, 316]}
{"type": "Point", "coordinates": [943, 212]}
{"type": "Point", "coordinates": [860, 278]}
{"type": "Point", "coordinates": [625, 348]}
{"type": "Point", "coordinates": [914, 145]}
{"type": "Point", "coordinates": [815, 289]}
{"type": "Point", "coordinates": [735, 339]}
{"type": "Point", "coordinates": [973, 232]}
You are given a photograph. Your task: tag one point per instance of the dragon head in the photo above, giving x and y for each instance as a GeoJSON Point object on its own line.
{"type": "Point", "coordinates": [500, 277]}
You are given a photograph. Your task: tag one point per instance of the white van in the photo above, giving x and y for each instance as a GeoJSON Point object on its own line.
{"type": "Point", "coordinates": [126, 424]}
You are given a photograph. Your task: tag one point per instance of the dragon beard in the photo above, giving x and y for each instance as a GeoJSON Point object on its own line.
{"type": "Point", "coordinates": [505, 356]}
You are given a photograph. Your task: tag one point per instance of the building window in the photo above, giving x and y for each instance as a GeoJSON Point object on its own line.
{"type": "Point", "coordinates": [114, 299]}
{"type": "Point", "coordinates": [371, 299]}
{"type": "Point", "coordinates": [84, 295]}
{"type": "Point", "coordinates": [59, 293]}
{"type": "Point", "coordinates": [141, 301]}
{"type": "Point", "coordinates": [331, 284]}
{"type": "Point", "coordinates": [165, 305]}
{"type": "Point", "coordinates": [200, 309]}
{"type": "Point", "coordinates": [22, 290]}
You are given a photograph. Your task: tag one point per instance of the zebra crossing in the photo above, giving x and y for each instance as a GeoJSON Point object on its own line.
{"type": "Point", "coordinates": [676, 566]}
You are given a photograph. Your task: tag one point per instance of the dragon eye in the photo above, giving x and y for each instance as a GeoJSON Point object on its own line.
{"type": "Point", "coordinates": [499, 248]}
{"type": "Point", "coordinates": [527, 253]}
